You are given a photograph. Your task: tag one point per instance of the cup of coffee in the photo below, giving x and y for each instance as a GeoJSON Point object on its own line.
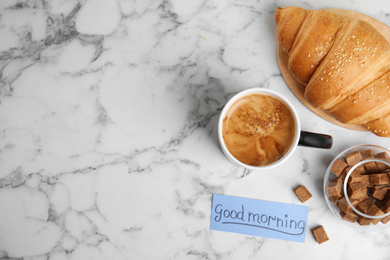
{"type": "Point", "coordinates": [259, 129]}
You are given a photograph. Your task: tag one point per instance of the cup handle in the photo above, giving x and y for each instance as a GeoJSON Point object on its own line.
{"type": "Point", "coordinates": [315, 140]}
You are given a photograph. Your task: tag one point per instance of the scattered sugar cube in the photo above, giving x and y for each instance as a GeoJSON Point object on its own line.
{"type": "Point", "coordinates": [303, 193]}
{"type": "Point", "coordinates": [320, 234]}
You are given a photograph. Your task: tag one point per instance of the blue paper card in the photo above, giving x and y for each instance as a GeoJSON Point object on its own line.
{"type": "Point", "coordinates": [259, 218]}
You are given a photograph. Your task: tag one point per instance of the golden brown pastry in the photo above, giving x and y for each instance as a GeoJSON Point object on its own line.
{"type": "Point", "coordinates": [343, 62]}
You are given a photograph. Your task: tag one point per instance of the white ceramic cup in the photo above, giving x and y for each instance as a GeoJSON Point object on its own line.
{"type": "Point", "coordinates": [300, 137]}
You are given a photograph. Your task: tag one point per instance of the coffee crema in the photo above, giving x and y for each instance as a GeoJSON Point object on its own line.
{"type": "Point", "coordinates": [258, 129]}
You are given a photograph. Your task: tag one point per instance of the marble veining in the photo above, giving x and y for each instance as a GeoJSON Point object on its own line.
{"type": "Point", "coordinates": [108, 141]}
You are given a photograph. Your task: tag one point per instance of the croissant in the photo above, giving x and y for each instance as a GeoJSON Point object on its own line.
{"type": "Point", "coordinates": [343, 62]}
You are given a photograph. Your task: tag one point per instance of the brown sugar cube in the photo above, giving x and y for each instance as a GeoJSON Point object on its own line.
{"type": "Point", "coordinates": [334, 190]}
{"type": "Point", "coordinates": [303, 193]}
{"type": "Point", "coordinates": [334, 200]}
{"type": "Point", "coordinates": [367, 153]}
{"type": "Point", "coordinates": [387, 196]}
{"type": "Point", "coordinates": [343, 205]}
{"type": "Point", "coordinates": [365, 179]}
{"type": "Point", "coordinates": [364, 205]}
{"type": "Point", "coordinates": [385, 220]}
{"type": "Point", "coordinates": [353, 158]}
{"type": "Point", "coordinates": [320, 234]}
{"type": "Point", "coordinates": [363, 221]}
{"type": "Point", "coordinates": [386, 205]}
{"type": "Point", "coordinates": [333, 181]}
{"type": "Point", "coordinates": [360, 169]}
{"type": "Point", "coordinates": [354, 177]}
{"type": "Point", "coordinates": [383, 156]}
{"type": "Point", "coordinates": [350, 216]}
{"type": "Point", "coordinates": [378, 192]}
{"type": "Point", "coordinates": [357, 186]}
{"type": "Point", "coordinates": [358, 194]}
{"type": "Point", "coordinates": [371, 167]}
{"type": "Point", "coordinates": [375, 211]}
{"type": "Point", "coordinates": [386, 208]}
{"type": "Point", "coordinates": [379, 203]}
{"type": "Point", "coordinates": [339, 182]}
{"type": "Point", "coordinates": [357, 177]}
{"type": "Point", "coordinates": [382, 167]}
{"type": "Point", "coordinates": [354, 202]}
{"type": "Point", "coordinates": [379, 179]}
{"type": "Point", "coordinates": [357, 190]}
{"type": "Point", "coordinates": [338, 167]}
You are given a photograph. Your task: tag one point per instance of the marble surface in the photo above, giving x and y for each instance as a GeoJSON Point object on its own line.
{"type": "Point", "coordinates": [108, 142]}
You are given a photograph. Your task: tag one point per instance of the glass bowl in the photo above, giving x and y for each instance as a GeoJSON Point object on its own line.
{"type": "Point", "coordinates": [357, 187]}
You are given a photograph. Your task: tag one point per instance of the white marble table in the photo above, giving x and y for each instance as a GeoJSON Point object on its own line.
{"type": "Point", "coordinates": [108, 143]}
